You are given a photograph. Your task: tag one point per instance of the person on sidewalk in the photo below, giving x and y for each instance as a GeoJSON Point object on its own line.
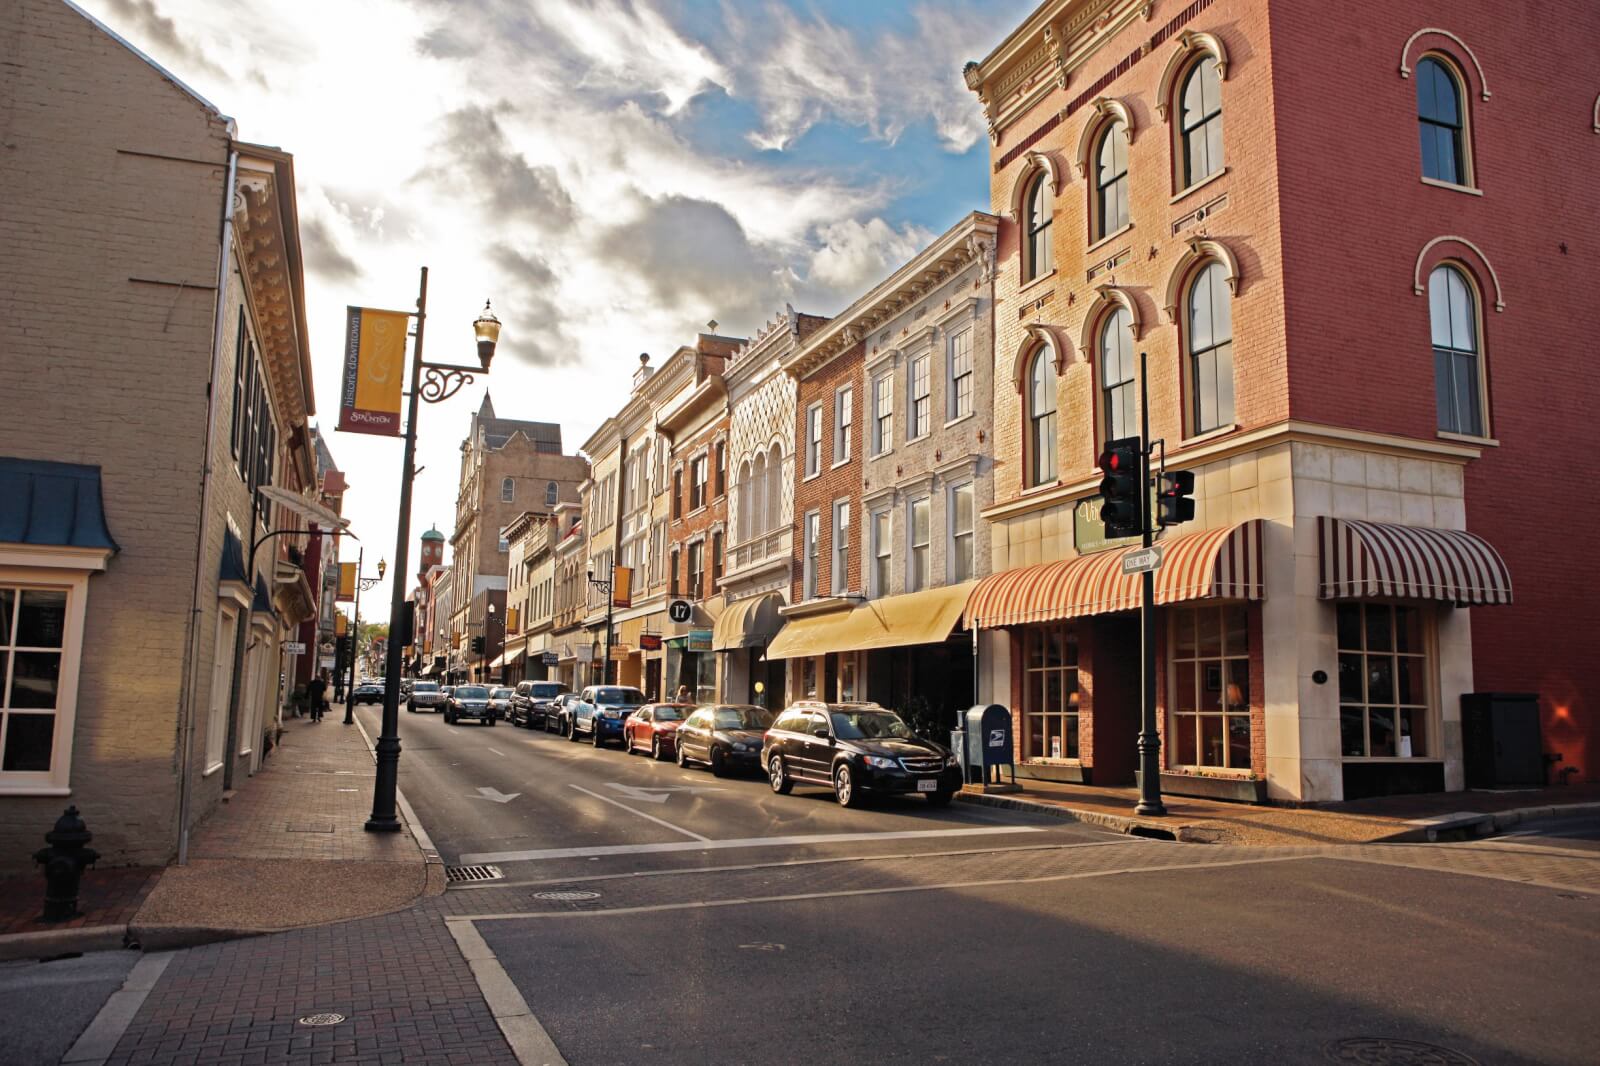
{"type": "Point", "coordinates": [317, 695]}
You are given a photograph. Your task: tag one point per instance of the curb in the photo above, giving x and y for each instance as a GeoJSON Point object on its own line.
{"type": "Point", "coordinates": [172, 937]}
{"type": "Point", "coordinates": [434, 877]}
{"type": "Point", "coordinates": [53, 943]}
{"type": "Point", "coordinates": [1118, 822]}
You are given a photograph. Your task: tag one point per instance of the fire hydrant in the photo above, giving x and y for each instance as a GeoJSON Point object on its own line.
{"type": "Point", "coordinates": [64, 861]}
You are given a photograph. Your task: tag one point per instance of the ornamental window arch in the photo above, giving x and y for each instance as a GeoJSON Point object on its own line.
{"type": "Point", "coordinates": [1190, 100]}
{"type": "Point", "coordinates": [1103, 159]}
{"type": "Point", "coordinates": [1033, 206]}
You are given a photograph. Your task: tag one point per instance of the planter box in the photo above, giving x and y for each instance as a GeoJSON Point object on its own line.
{"type": "Point", "coordinates": [1236, 790]}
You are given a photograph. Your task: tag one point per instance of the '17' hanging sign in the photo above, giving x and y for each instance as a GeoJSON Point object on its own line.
{"type": "Point", "coordinates": [374, 368]}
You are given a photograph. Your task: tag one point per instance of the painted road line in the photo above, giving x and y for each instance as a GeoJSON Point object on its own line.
{"type": "Point", "coordinates": [497, 751]}
{"type": "Point", "coordinates": [528, 1039]}
{"type": "Point", "coordinates": [477, 858]}
{"type": "Point", "coordinates": [96, 1043]}
{"type": "Point", "coordinates": [641, 814]}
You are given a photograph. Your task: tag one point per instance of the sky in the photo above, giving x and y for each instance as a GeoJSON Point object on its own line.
{"type": "Point", "coordinates": [612, 174]}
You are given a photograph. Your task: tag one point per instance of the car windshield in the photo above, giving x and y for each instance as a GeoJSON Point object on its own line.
{"type": "Point", "coordinates": [869, 725]}
{"type": "Point", "coordinates": [617, 697]}
{"type": "Point", "coordinates": [743, 718]}
{"type": "Point", "coordinates": [545, 692]}
{"type": "Point", "coordinates": [666, 712]}
{"type": "Point", "coordinates": [472, 692]}
{"type": "Point", "coordinates": [425, 686]}
{"type": "Point", "coordinates": [500, 694]}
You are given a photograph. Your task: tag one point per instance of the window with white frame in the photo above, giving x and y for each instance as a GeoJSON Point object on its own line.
{"type": "Point", "coordinates": [813, 440]}
{"type": "Point", "coordinates": [697, 570]}
{"type": "Point", "coordinates": [1453, 314]}
{"type": "Point", "coordinates": [882, 413]}
{"type": "Point", "coordinates": [917, 533]}
{"type": "Point", "coordinates": [962, 537]}
{"type": "Point", "coordinates": [813, 527]}
{"type": "Point", "coordinates": [959, 403]}
{"type": "Point", "coordinates": [1041, 418]}
{"type": "Point", "coordinates": [1210, 687]}
{"type": "Point", "coordinates": [919, 393]}
{"type": "Point", "coordinates": [508, 490]}
{"type": "Point", "coordinates": [1050, 692]}
{"type": "Point", "coordinates": [1383, 682]}
{"type": "Point", "coordinates": [1117, 395]}
{"type": "Point", "coordinates": [1111, 181]}
{"type": "Point", "coordinates": [221, 682]}
{"type": "Point", "coordinates": [882, 548]}
{"type": "Point", "coordinates": [841, 547]}
{"type": "Point", "coordinates": [37, 676]}
{"type": "Point", "coordinates": [1210, 343]}
{"type": "Point", "coordinates": [843, 413]}
{"type": "Point", "coordinates": [697, 483]}
{"type": "Point", "coordinates": [1200, 121]}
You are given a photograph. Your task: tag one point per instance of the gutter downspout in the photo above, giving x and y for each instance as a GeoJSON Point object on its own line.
{"type": "Point", "coordinates": [186, 709]}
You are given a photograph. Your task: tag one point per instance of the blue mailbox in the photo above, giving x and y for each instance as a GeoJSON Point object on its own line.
{"type": "Point", "coordinates": [987, 743]}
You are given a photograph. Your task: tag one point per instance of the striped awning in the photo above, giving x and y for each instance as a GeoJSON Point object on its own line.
{"type": "Point", "coordinates": [1223, 563]}
{"type": "Point", "coordinates": [1361, 559]}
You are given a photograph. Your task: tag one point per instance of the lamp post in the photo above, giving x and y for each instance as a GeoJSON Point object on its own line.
{"type": "Point", "coordinates": [488, 644]}
{"type": "Point", "coordinates": [604, 585]}
{"type": "Point", "coordinates": [362, 584]}
{"type": "Point", "coordinates": [433, 382]}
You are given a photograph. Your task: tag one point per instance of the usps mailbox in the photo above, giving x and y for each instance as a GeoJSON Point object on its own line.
{"type": "Point", "coordinates": [987, 743]}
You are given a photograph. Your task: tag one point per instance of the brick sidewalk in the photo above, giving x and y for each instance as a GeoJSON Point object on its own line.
{"type": "Point", "coordinates": [107, 897]}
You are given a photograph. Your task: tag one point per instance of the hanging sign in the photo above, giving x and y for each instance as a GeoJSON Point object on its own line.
{"type": "Point", "coordinates": [374, 368]}
{"type": "Point", "coordinates": [347, 582]}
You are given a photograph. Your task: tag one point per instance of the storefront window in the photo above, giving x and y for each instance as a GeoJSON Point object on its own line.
{"type": "Point", "coordinates": [32, 632]}
{"type": "Point", "coordinates": [1210, 690]}
{"type": "Point", "coordinates": [808, 678]}
{"type": "Point", "coordinates": [1050, 692]}
{"type": "Point", "coordinates": [847, 678]}
{"type": "Point", "coordinates": [1383, 700]}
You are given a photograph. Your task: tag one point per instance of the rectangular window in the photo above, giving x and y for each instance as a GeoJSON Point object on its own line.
{"type": "Point", "coordinates": [722, 470]}
{"type": "Point", "coordinates": [1383, 686]}
{"type": "Point", "coordinates": [881, 548]}
{"type": "Point", "coordinates": [697, 570]}
{"type": "Point", "coordinates": [716, 561]}
{"type": "Point", "coordinates": [697, 483]}
{"type": "Point", "coordinates": [843, 413]}
{"type": "Point", "coordinates": [677, 493]}
{"type": "Point", "coordinates": [961, 532]}
{"type": "Point", "coordinates": [808, 678]}
{"type": "Point", "coordinates": [238, 385]}
{"type": "Point", "coordinates": [813, 440]}
{"type": "Point", "coordinates": [1050, 692]}
{"type": "Point", "coordinates": [959, 404]}
{"type": "Point", "coordinates": [919, 392]}
{"type": "Point", "coordinates": [882, 414]}
{"type": "Point", "coordinates": [841, 547]}
{"type": "Point", "coordinates": [672, 574]}
{"type": "Point", "coordinates": [813, 528]}
{"type": "Point", "coordinates": [221, 683]}
{"type": "Point", "coordinates": [33, 624]}
{"type": "Point", "coordinates": [1210, 689]}
{"type": "Point", "coordinates": [917, 538]}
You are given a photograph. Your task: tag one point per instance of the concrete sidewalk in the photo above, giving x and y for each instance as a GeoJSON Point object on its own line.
{"type": "Point", "coordinates": [1390, 818]}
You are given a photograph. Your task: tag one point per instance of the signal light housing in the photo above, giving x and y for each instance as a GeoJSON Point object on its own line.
{"type": "Point", "coordinates": [1121, 489]}
{"type": "Point", "coordinates": [1174, 497]}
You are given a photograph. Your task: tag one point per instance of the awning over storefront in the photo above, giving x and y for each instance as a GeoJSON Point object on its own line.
{"type": "Point", "coordinates": [1223, 563]}
{"type": "Point", "coordinates": [747, 623]}
{"type": "Point", "coordinates": [1361, 559]}
{"type": "Point", "coordinates": [925, 617]}
{"type": "Point", "coordinates": [507, 658]}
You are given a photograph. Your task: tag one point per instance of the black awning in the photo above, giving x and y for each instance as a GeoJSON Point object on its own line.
{"type": "Point", "coordinates": [52, 504]}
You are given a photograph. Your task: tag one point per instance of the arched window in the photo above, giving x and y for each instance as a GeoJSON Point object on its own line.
{"type": "Point", "coordinates": [774, 491]}
{"type": "Point", "coordinates": [1041, 418]}
{"type": "Point", "coordinates": [552, 492]}
{"type": "Point", "coordinates": [1111, 180]}
{"type": "Point", "coordinates": [1210, 344]}
{"type": "Point", "coordinates": [1200, 121]}
{"type": "Point", "coordinates": [1453, 312]}
{"type": "Point", "coordinates": [756, 513]}
{"type": "Point", "coordinates": [1038, 256]}
{"type": "Point", "coordinates": [1441, 122]}
{"type": "Point", "coordinates": [1115, 352]}
{"type": "Point", "coordinates": [508, 491]}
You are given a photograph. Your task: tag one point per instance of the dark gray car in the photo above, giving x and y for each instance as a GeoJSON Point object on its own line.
{"type": "Point", "coordinates": [469, 701]}
{"type": "Point", "coordinates": [425, 696]}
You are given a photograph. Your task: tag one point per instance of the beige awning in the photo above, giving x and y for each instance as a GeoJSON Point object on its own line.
{"type": "Point", "coordinates": [308, 509]}
{"type": "Point", "coordinates": [926, 617]}
{"type": "Point", "coordinates": [747, 623]}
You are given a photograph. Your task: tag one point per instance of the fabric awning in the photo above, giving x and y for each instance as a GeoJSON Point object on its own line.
{"type": "Point", "coordinates": [747, 623]}
{"type": "Point", "coordinates": [507, 658]}
{"type": "Point", "coordinates": [925, 617]}
{"type": "Point", "coordinates": [308, 509]}
{"type": "Point", "coordinates": [1361, 559]}
{"type": "Point", "coordinates": [1222, 563]}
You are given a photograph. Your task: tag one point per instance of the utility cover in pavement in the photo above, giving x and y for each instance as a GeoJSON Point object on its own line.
{"type": "Point", "coordinates": [453, 874]}
{"type": "Point", "coordinates": [570, 896]}
{"type": "Point", "coordinates": [328, 1018]}
{"type": "Point", "coordinates": [1388, 1051]}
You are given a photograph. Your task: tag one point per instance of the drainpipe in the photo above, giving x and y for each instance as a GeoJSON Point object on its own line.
{"type": "Point", "coordinates": [186, 708]}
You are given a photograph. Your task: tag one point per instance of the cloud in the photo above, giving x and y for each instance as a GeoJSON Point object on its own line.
{"type": "Point", "coordinates": [857, 255]}
{"type": "Point", "coordinates": [481, 160]}
{"type": "Point", "coordinates": [160, 33]}
{"type": "Point", "coordinates": [531, 304]}
{"type": "Point", "coordinates": [323, 254]}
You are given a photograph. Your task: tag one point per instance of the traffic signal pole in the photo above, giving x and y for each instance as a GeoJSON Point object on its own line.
{"type": "Point", "coordinates": [1149, 736]}
{"type": "Point", "coordinates": [355, 638]}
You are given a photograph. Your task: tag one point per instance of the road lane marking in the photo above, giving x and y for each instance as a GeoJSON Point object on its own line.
{"type": "Point", "coordinates": [96, 1043]}
{"type": "Point", "coordinates": [641, 814]}
{"type": "Point", "coordinates": [494, 795]}
{"type": "Point", "coordinates": [528, 1039]}
{"type": "Point", "coordinates": [717, 845]}
{"type": "Point", "coordinates": [657, 793]}
{"type": "Point", "coordinates": [498, 752]}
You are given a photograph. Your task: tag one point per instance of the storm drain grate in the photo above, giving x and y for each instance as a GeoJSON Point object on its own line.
{"type": "Point", "coordinates": [571, 895]}
{"type": "Point", "coordinates": [1387, 1051]}
{"type": "Point", "coordinates": [459, 874]}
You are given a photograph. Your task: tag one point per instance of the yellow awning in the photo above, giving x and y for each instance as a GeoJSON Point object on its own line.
{"type": "Point", "coordinates": [746, 623]}
{"type": "Point", "coordinates": [926, 617]}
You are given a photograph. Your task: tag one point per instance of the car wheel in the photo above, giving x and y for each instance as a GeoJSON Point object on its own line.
{"type": "Point", "coordinates": [682, 758]}
{"type": "Point", "coordinates": [844, 787]}
{"type": "Point", "coordinates": [940, 799]}
{"type": "Point", "coordinates": [778, 777]}
{"type": "Point", "coordinates": [655, 749]}
{"type": "Point", "coordinates": [594, 737]}
{"type": "Point", "coordinates": [572, 731]}
{"type": "Point", "coordinates": [411, 707]}
{"type": "Point", "coordinates": [719, 763]}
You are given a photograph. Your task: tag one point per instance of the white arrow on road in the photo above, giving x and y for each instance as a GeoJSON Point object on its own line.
{"type": "Point", "coordinates": [657, 794]}
{"type": "Point", "coordinates": [496, 795]}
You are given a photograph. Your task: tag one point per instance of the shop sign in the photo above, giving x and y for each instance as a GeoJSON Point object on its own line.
{"type": "Point", "coordinates": [1089, 533]}
{"type": "Point", "coordinates": [294, 647]}
{"type": "Point", "coordinates": [551, 658]}
{"type": "Point", "coordinates": [650, 641]}
{"type": "Point", "coordinates": [679, 611]}
{"type": "Point", "coordinates": [699, 640]}
{"type": "Point", "coordinates": [621, 651]}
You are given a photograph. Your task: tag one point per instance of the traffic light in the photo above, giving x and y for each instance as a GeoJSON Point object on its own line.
{"type": "Point", "coordinates": [1175, 497]}
{"type": "Point", "coordinates": [477, 645]}
{"type": "Point", "coordinates": [1123, 508]}
{"type": "Point", "coordinates": [342, 655]}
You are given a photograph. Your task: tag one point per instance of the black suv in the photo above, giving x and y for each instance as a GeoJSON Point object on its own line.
{"type": "Point", "coordinates": [533, 702]}
{"type": "Point", "coordinates": [856, 748]}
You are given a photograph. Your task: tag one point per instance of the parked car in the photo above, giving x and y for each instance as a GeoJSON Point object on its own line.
{"type": "Point", "coordinates": [368, 692]}
{"type": "Point", "coordinates": [500, 701]}
{"type": "Point", "coordinates": [723, 736]}
{"type": "Point", "coordinates": [425, 696]}
{"type": "Point", "coordinates": [532, 702]}
{"type": "Point", "coordinates": [558, 717]}
{"type": "Point", "coordinates": [599, 712]}
{"type": "Point", "coordinates": [856, 749]}
{"type": "Point", "coordinates": [653, 727]}
{"type": "Point", "coordinates": [469, 701]}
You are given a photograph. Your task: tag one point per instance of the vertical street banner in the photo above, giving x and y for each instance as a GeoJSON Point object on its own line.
{"type": "Point", "coordinates": [374, 368]}
{"type": "Point", "coordinates": [622, 586]}
{"type": "Point", "coordinates": [347, 582]}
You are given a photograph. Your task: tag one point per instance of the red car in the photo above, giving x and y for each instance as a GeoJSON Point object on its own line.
{"type": "Point", "coordinates": [653, 728]}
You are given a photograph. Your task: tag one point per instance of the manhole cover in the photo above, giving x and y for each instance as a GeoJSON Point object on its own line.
{"type": "Point", "coordinates": [574, 895]}
{"type": "Point", "coordinates": [328, 1018]}
{"type": "Point", "coordinates": [458, 874]}
{"type": "Point", "coordinates": [1386, 1051]}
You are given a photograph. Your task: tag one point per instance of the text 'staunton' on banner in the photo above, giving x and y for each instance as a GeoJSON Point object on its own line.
{"type": "Point", "coordinates": [374, 369]}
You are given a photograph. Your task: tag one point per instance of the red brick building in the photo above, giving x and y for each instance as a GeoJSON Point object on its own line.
{"type": "Point", "coordinates": [1353, 302]}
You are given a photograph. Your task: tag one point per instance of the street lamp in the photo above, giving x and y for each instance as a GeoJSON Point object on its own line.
{"type": "Point", "coordinates": [488, 645]}
{"type": "Point", "coordinates": [604, 585]}
{"type": "Point", "coordinates": [433, 382]}
{"type": "Point", "coordinates": [362, 584]}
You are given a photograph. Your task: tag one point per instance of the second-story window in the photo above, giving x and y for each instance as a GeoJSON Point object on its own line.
{"type": "Point", "coordinates": [961, 532]}
{"type": "Point", "coordinates": [677, 493]}
{"type": "Point", "coordinates": [813, 549]}
{"type": "Point", "coordinates": [697, 483]}
{"type": "Point", "coordinates": [881, 549]}
{"type": "Point", "coordinates": [843, 413]}
{"type": "Point", "coordinates": [508, 490]}
{"type": "Point", "coordinates": [813, 440]}
{"type": "Point", "coordinates": [721, 484]}
{"type": "Point", "coordinates": [1038, 254]}
{"type": "Point", "coordinates": [1111, 181]}
{"type": "Point", "coordinates": [1440, 118]}
{"type": "Point", "coordinates": [697, 570]}
{"type": "Point", "coordinates": [841, 547]}
{"type": "Point", "coordinates": [1210, 343]}
{"type": "Point", "coordinates": [917, 544]}
{"type": "Point", "coordinates": [919, 394]}
{"type": "Point", "coordinates": [1200, 117]}
{"type": "Point", "coordinates": [1116, 375]}
{"type": "Point", "coordinates": [1041, 418]}
{"type": "Point", "coordinates": [716, 562]}
{"type": "Point", "coordinates": [882, 414]}
{"type": "Point", "coordinates": [959, 391]}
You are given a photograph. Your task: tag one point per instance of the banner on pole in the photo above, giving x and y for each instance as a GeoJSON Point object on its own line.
{"type": "Point", "coordinates": [347, 581]}
{"type": "Point", "coordinates": [374, 369]}
{"type": "Point", "coordinates": [622, 586]}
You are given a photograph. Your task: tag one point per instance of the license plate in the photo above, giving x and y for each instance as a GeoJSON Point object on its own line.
{"type": "Point", "coordinates": [927, 786]}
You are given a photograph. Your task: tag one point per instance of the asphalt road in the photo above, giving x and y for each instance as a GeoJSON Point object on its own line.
{"type": "Point", "coordinates": [46, 1005]}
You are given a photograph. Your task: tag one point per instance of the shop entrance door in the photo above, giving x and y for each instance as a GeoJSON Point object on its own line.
{"type": "Point", "coordinates": [1116, 699]}
{"type": "Point", "coordinates": [652, 679]}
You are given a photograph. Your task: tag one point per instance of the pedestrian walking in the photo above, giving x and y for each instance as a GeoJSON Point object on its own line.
{"type": "Point", "coordinates": [683, 694]}
{"type": "Point", "coordinates": [317, 695]}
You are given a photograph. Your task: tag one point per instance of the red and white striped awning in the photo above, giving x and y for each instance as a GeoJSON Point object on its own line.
{"type": "Point", "coordinates": [1222, 563]}
{"type": "Point", "coordinates": [1362, 559]}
